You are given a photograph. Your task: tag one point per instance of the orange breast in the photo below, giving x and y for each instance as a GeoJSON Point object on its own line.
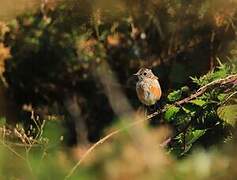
{"type": "Point", "coordinates": [156, 91]}
{"type": "Point", "coordinates": [148, 91]}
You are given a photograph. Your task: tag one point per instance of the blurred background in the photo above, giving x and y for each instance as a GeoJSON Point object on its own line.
{"type": "Point", "coordinates": [66, 81]}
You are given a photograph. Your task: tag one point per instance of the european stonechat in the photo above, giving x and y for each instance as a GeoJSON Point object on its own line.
{"type": "Point", "coordinates": [148, 87]}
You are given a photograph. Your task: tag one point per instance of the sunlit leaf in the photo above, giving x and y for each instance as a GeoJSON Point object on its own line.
{"type": "Point", "coordinates": [171, 112]}
{"type": "Point", "coordinates": [194, 136]}
{"type": "Point", "coordinates": [228, 113]}
{"type": "Point", "coordinates": [198, 102]}
{"type": "Point", "coordinates": [221, 96]}
{"type": "Point", "coordinates": [175, 95]}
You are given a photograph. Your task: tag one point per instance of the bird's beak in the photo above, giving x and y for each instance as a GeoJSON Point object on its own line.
{"type": "Point", "coordinates": [136, 74]}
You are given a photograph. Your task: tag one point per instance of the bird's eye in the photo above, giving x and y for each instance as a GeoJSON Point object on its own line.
{"type": "Point", "coordinates": [144, 73]}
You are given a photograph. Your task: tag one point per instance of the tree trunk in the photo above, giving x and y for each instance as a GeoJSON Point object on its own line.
{"type": "Point", "coordinates": [75, 120]}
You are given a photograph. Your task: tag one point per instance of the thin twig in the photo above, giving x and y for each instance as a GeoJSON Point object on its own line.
{"type": "Point", "coordinates": [12, 150]}
{"type": "Point", "coordinates": [8, 133]}
{"type": "Point", "coordinates": [230, 96]}
{"type": "Point", "coordinates": [21, 144]}
{"type": "Point", "coordinates": [202, 90]}
{"type": "Point", "coordinates": [34, 120]}
{"type": "Point", "coordinates": [101, 141]}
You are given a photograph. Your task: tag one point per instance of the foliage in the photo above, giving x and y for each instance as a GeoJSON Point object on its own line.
{"type": "Point", "coordinates": [56, 54]}
{"type": "Point", "coordinates": [120, 158]}
{"type": "Point", "coordinates": [213, 110]}
{"type": "Point", "coordinates": [223, 70]}
{"type": "Point", "coordinates": [55, 50]}
{"type": "Point", "coordinates": [196, 121]}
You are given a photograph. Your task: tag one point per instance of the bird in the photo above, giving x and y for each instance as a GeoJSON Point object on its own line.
{"type": "Point", "coordinates": [147, 87]}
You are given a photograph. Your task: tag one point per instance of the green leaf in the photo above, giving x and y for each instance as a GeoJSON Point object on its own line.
{"type": "Point", "coordinates": [171, 112]}
{"type": "Point", "coordinates": [185, 89]}
{"type": "Point", "coordinates": [198, 102]}
{"type": "Point", "coordinates": [194, 136]}
{"type": "Point", "coordinates": [191, 138]}
{"type": "Point", "coordinates": [190, 108]}
{"type": "Point", "coordinates": [228, 113]}
{"type": "Point", "coordinates": [221, 97]}
{"type": "Point", "coordinates": [174, 96]}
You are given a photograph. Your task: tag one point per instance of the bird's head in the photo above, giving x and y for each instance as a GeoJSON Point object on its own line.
{"type": "Point", "coordinates": [145, 73]}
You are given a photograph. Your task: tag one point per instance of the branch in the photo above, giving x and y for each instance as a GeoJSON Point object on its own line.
{"type": "Point", "coordinates": [101, 141]}
{"type": "Point", "coordinates": [225, 81]}
{"type": "Point", "coordinates": [232, 79]}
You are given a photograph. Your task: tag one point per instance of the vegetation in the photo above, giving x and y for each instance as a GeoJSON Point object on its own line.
{"type": "Point", "coordinates": [67, 68]}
